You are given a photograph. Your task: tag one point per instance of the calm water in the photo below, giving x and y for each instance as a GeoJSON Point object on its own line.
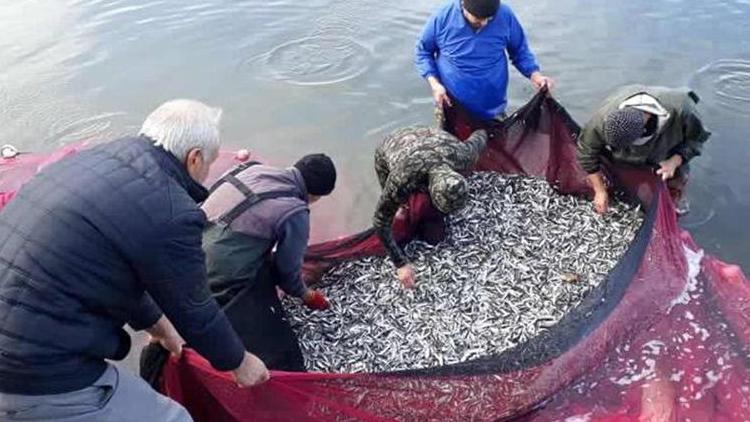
{"type": "Point", "coordinates": [336, 75]}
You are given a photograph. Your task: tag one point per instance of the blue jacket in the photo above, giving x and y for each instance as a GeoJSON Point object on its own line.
{"type": "Point", "coordinates": [103, 238]}
{"type": "Point", "coordinates": [472, 65]}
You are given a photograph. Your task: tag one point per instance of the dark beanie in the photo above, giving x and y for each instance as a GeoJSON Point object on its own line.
{"type": "Point", "coordinates": [622, 127]}
{"type": "Point", "coordinates": [482, 8]}
{"type": "Point", "coordinates": [318, 172]}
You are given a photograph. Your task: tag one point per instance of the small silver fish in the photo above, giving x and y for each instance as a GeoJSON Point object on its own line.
{"type": "Point", "coordinates": [494, 282]}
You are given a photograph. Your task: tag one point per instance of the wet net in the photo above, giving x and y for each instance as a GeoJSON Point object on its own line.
{"type": "Point", "coordinates": [665, 337]}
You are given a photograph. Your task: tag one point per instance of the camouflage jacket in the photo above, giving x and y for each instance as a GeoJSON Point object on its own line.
{"type": "Point", "coordinates": [683, 133]}
{"type": "Point", "coordinates": [403, 162]}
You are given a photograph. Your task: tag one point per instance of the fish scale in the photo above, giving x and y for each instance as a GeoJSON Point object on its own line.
{"type": "Point", "coordinates": [497, 280]}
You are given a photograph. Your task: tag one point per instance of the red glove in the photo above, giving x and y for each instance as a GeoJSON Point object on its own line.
{"type": "Point", "coordinates": [316, 300]}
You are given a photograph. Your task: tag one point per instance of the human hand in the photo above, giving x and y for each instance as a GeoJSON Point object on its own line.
{"type": "Point", "coordinates": [439, 93]}
{"type": "Point", "coordinates": [601, 202]}
{"type": "Point", "coordinates": [252, 371]}
{"type": "Point", "coordinates": [539, 81]}
{"type": "Point", "coordinates": [242, 155]}
{"type": "Point", "coordinates": [406, 275]}
{"type": "Point", "coordinates": [164, 333]}
{"type": "Point", "coordinates": [316, 300]}
{"type": "Point", "coordinates": [668, 167]}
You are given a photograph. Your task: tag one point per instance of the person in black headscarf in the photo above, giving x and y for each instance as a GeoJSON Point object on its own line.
{"type": "Point", "coordinates": [644, 126]}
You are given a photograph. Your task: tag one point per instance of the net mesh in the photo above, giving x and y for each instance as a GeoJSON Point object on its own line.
{"type": "Point", "coordinates": [665, 337]}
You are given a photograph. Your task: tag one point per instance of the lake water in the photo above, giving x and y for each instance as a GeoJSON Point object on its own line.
{"type": "Point", "coordinates": [337, 75]}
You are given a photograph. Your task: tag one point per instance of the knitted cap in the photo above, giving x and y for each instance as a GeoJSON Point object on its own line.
{"type": "Point", "coordinates": [482, 8]}
{"type": "Point", "coordinates": [318, 172]}
{"type": "Point", "coordinates": [448, 190]}
{"type": "Point", "coordinates": [622, 127]}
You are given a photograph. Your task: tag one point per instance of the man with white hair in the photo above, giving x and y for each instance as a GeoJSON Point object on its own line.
{"type": "Point", "coordinates": [108, 237]}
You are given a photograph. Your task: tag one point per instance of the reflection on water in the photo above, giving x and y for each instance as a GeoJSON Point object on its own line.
{"type": "Point", "coordinates": [317, 60]}
{"type": "Point", "coordinates": [726, 84]}
{"type": "Point", "coordinates": [337, 75]}
{"type": "Point", "coordinates": [90, 129]}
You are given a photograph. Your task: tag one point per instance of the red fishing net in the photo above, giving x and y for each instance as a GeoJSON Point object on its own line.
{"type": "Point", "coordinates": [666, 337]}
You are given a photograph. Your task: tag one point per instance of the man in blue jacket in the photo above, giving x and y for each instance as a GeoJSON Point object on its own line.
{"type": "Point", "coordinates": [462, 54]}
{"type": "Point", "coordinates": [108, 237]}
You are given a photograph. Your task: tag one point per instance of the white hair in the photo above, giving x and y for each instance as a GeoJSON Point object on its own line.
{"type": "Point", "coordinates": [180, 126]}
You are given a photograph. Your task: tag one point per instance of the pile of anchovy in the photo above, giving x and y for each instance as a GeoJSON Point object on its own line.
{"type": "Point", "coordinates": [515, 260]}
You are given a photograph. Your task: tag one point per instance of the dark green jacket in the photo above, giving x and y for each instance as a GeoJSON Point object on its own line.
{"type": "Point", "coordinates": [683, 133]}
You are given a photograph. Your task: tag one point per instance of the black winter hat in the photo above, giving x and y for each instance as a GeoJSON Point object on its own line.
{"type": "Point", "coordinates": [482, 8]}
{"type": "Point", "coordinates": [318, 172]}
{"type": "Point", "coordinates": [622, 127]}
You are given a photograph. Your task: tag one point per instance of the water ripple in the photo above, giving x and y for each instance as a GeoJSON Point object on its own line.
{"type": "Point", "coordinates": [725, 83]}
{"type": "Point", "coordinates": [317, 60]}
{"type": "Point", "coordinates": [340, 45]}
{"type": "Point", "coordinates": [101, 127]}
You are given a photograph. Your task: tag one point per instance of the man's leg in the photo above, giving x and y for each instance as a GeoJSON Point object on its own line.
{"type": "Point", "coordinates": [677, 186]}
{"type": "Point", "coordinates": [152, 361]}
{"type": "Point", "coordinates": [117, 396]}
{"type": "Point", "coordinates": [258, 316]}
{"type": "Point", "coordinates": [134, 400]}
{"type": "Point", "coordinates": [432, 227]}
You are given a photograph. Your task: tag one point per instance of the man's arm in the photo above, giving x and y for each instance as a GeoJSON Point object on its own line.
{"type": "Point", "coordinates": [290, 252]}
{"type": "Point", "coordinates": [474, 146]}
{"type": "Point", "coordinates": [695, 135]}
{"type": "Point", "coordinates": [146, 313]}
{"type": "Point", "coordinates": [590, 148]}
{"type": "Point", "coordinates": [386, 209]}
{"type": "Point", "coordinates": [426, 53]}
{"type": "Point", "coordinates": [518, 47]}
{"type": "Point", "coordinates": [173, 270]}
{"type": "Point", "coordinates": [382, 169]}
{"type": "Point", "coordinates": [427, 49]}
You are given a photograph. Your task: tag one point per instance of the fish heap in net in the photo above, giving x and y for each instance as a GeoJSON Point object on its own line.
{"type": "Point", "coordinates": [515, 260]}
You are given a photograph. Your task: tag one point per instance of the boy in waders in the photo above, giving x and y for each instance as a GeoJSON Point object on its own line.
{"type": "Point", "coordinates": [260, 226]}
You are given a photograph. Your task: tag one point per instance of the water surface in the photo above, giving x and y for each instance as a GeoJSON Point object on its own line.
{"type": "Point", "coordinates": [337, 75]}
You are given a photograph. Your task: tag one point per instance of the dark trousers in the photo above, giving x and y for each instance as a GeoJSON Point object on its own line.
{"type": "Point", "coordinates": [678, 183]}
{"type": "Point", "coordinates": [259, 319]}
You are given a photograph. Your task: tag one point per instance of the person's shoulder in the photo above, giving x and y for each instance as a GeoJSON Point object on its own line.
{"type": "Point", "coordinates": [145, 183]}
{"type": "Point", "coordinates": [443, 136]}
{"type": "Point", "coordinates": [443, 13]}
{"type": "Point", "coordinates": [612, 101]}
{"type": "Point", "coordinates": [593, 126]}
{"type": "Point", "coordinates": [414, 129]}
{"type": "Point", "coordinates": [448, 7]}
{"type": "Point", "coordinates": [186, 219]}
{"type": "Point", "coordinates": [104, 173]}
{"type": "Point", "coordinates": [674, 99]}
{"type": "Point", "coordinates": [408, 133]}
{"type": "Point", "coordinates": [505, 11]}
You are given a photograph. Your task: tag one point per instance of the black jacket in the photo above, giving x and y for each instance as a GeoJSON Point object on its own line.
{"type": "Point", "coordinates": [84, 247]}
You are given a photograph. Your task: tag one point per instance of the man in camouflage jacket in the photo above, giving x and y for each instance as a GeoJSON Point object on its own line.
{"type": "Point", "coordinates": [418, 159]}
